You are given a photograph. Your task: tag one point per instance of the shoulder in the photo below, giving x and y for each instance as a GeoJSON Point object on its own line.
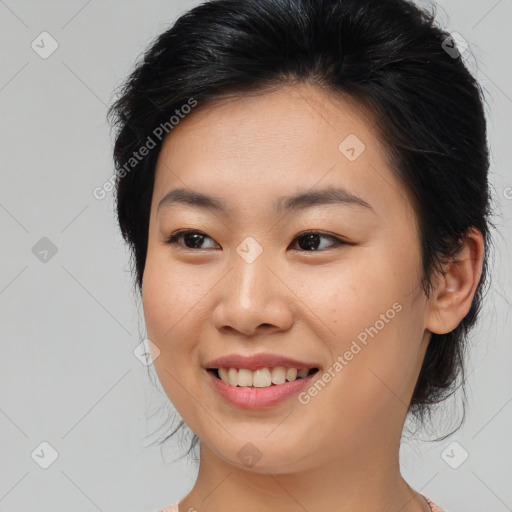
{"type": "Point", "coordinates": [174, 507]}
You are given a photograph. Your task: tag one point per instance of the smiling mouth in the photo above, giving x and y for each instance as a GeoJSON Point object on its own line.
{"type": "Point", "coordinates": [261, 378]}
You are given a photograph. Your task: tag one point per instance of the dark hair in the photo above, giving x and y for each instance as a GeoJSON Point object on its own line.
{"type": "Point", "coordinates": [390, 57]}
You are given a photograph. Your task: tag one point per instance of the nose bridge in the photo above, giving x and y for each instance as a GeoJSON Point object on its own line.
{"type": "Point", "coordinates": [251, 281]}
{"type": "Point", "coordinates": [250, 276]}
{"type": "Point", "coordinates": [251, 295]}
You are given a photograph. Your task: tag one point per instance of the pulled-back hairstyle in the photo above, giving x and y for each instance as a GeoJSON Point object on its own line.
{"type": "Point", "coordinates": [390, 57]}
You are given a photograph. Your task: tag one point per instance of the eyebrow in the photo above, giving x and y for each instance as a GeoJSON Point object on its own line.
{"type": "Point", "coordinates": [301, 200]}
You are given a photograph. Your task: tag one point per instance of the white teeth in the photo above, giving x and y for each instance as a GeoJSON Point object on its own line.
{"type": "Point", "coordinates": [233, 376]}
{"type": "Point", "coordinates": [223, 374]}
{"type": "Point", "coordinates": [244, 377]}
{"type": "Point", "coordinates": [291, 374]}
{"type": "Point", "coordinates": [302, 372]}
{"type": "Point", "coordinates": [278, 375]}
{"type": "Point", "coordinates": [261, 378]}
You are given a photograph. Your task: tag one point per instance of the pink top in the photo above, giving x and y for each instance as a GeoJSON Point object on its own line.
{"type": "Point", "coordinates": [433, 506]}
{"type": "Point", "coordinates": [171, 508]}
{"type": "Point", "coordinates": [174, 507]}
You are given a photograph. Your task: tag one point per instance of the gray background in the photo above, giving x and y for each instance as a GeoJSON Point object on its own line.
{"type": "Point", "coordinates": [69, 324]}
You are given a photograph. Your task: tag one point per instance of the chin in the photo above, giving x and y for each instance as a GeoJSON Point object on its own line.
{"type": "Point", "coordinates": [260, 455]}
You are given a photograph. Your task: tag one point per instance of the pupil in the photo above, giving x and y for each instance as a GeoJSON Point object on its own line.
{"type": "Point", "coordinates": [192, 235]}
{"type": "Point", "coordinates": [312, 241]}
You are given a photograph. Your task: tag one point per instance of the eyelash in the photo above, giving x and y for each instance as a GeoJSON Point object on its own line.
{"type": "Point", "coordinates": [172, 239]}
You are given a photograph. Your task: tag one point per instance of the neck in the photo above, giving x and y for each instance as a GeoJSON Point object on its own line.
{"type": "Point", "coordinates": [360, 480]}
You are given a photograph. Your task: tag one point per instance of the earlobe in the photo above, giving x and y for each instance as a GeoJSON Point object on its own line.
{"type": "Point", "coordinates": [455, 287]}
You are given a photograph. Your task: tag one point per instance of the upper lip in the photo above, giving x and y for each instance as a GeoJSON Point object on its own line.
{"type": "Point", "coordinates": [257, 361]}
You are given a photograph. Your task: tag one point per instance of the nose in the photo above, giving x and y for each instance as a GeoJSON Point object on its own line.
{"type": "Point", "coordinates": [253, 297]}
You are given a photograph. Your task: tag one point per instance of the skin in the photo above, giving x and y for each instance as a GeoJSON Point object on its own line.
{"type": "Point", "coordinates": [339, 452]}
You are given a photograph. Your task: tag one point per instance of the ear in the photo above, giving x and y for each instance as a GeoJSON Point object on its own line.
{"type": "Point", "coordinates": [451, 299]}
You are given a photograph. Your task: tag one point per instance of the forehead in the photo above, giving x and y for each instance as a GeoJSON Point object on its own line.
{"type": "Point", "coordinates": [273, 143]}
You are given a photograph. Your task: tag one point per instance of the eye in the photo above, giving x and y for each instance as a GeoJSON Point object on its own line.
{"type": "Point", "coordinates": [311, 239]}
{"type": "Point", "coordinates": [193, 238]}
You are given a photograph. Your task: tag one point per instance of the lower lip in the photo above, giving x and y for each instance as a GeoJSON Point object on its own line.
{"type": "Point", "coordinates": [258, 398]}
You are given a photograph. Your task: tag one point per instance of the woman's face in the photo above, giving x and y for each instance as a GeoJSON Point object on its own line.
{"type": "Point", "coordinates": [346, 301]}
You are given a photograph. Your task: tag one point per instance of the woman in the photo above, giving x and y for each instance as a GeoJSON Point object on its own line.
{"type": "Point", "coordinates": [303, 184]}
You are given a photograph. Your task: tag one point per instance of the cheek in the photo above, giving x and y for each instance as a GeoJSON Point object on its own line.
{"type": "Point", "coordinates": [166, 300]}
{"type": "Point", "coordinates": [375, 327]}
{"type": "Point", "coordinates": [171, 303]}
{"type": "Point", "coordinates": [159, 298]}
{"type": "Point", "coordinates": [169, 297]}
{"type": "Point", "coordinates": [352, 295]}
